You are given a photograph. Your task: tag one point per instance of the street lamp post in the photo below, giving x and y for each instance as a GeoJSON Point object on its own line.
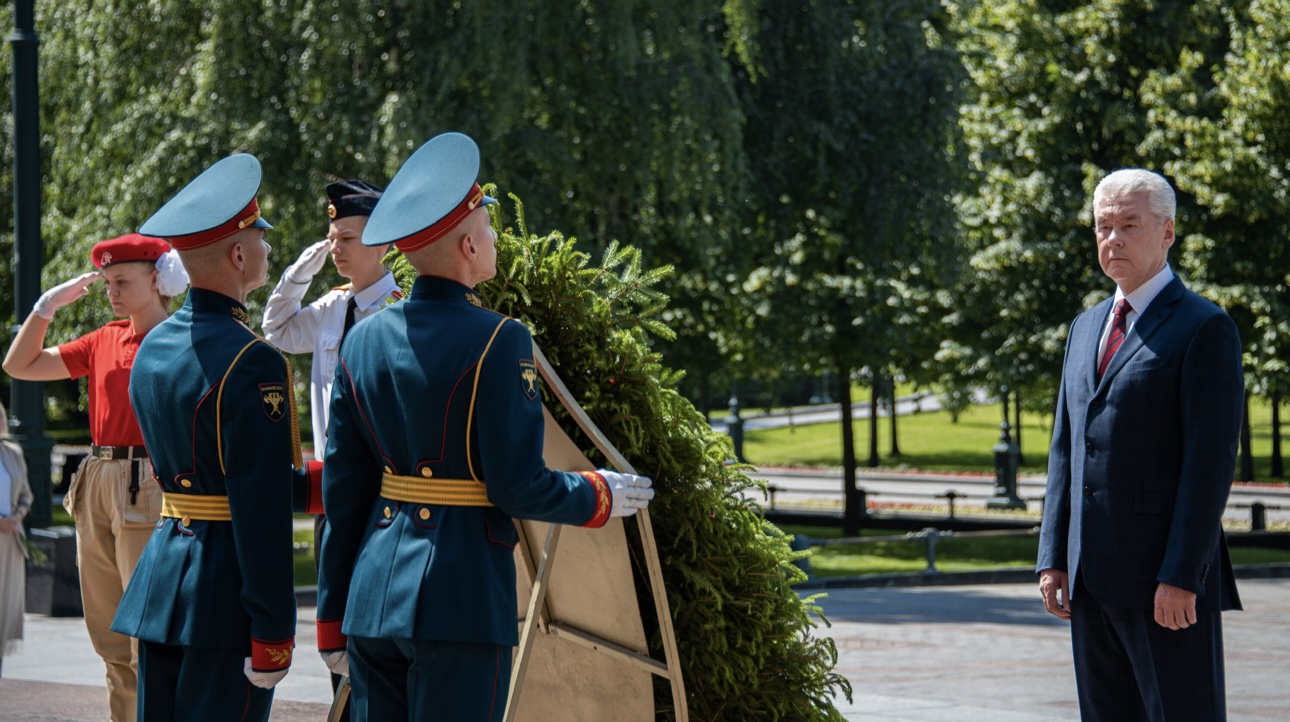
{"type": "Point", "coordinates": [27, 415]}
{"type": "Point", "coordinates": [734, 424]}
{"type": "Point", "coordinates": [1006, 460]}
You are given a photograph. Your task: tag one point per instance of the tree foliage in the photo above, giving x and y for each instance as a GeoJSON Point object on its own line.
{"type": "Point", "coordinates": [1220, 126]}
{"type": "Point", "coordinates": [1058, 105]}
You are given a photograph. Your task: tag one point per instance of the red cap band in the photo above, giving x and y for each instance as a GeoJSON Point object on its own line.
{"type": "Point", "coordinates": [243, 219]}
{"type": "Point", "coordinates": [441, 227]}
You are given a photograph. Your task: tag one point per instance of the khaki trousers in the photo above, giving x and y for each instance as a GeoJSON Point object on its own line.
{"type": "Point", "coordinates": [110, 536]}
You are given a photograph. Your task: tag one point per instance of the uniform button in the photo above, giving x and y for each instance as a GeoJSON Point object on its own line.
{"type": "Point", "coordinates": [387, 512]}
{"type": "Point", "coordinates": [1088, 491]}
{"type": "Point", "coordinates": [1089, 447]}
{"type": "Point", "coordinates": [185, 521]}
{"type": "Point", "coordinates": [388, 470]}
{"type": "Point", "coordinates": [186, 483]}
{"type": "Point", "coordinates": [427, 472]}
{"type": "Point", "coordinates": [424, 514]}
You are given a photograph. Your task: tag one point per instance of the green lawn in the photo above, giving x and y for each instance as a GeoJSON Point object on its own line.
{"type": "Point", "coordinates": [930, 441]}
{"type": "Point", "coordinates": [963, 553]}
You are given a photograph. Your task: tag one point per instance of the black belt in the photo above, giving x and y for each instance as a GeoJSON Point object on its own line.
{"type": "Point", "coordinates": [119, 452]}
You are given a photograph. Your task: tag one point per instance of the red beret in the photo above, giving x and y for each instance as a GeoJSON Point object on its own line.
{"type": "Point", "coordinates": [128, 248]}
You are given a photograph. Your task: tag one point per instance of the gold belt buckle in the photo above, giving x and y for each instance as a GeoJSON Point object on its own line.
{"type": "Point", "coordinates": [105, 452]}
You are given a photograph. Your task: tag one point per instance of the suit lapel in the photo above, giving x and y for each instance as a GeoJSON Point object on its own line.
{"type": "Point", "coordinates": [1158, 311]}
{"type": "Point", "coordinates": [1090, 337]}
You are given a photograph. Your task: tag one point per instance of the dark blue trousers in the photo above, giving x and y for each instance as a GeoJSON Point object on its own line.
{"type": "Point", "coordinates": [392, 680]}
{"type": "Point", "coordinates": [197, 684]}
{"type": "Point", "coordinates": [1130, 669]}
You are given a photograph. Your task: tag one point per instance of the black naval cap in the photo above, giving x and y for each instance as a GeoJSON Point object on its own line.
{"type": "Point", "coordinates": [351, 198]}
{"type": "Point", "coordinates": [213, 206]}
{"type": "Point", "coordinates": [434, 191]}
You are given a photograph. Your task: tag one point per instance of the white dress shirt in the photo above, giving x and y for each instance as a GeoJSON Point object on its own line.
{"type": "Point", "coordinates": [1141, 297]}
{"type": "Point", "coordinates": [317, 329]}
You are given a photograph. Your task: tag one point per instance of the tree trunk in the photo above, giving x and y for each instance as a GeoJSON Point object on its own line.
{"type": "Point", "coordinates": [1016, 428]}
{"type": "Point", "coordinates": [1278, 468]}
{"type": "Point", "coordinates": [895, 445]}
{"type": "Point", "coordinates": [1247, 455]}
{"type": "Point", "coordinates": [873, 422]}
{"type": "Point", "coordinates": [853, 500]}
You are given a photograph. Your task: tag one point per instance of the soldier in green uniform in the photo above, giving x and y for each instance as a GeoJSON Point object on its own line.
{"type": "Point", "coordinates": [434, 446]}
{"type": "Point", "coordinates": [212, 599]}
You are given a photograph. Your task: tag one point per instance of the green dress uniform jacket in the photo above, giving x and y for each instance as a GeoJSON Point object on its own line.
{"type": "Point", "coordinates": [440, 390]}
{"type": "Point", "coordinates": [214, 403]}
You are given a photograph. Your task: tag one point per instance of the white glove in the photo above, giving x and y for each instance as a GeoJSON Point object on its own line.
{"type": "Point", "coordinates": [63, 294]}
{"type": "Point", "coordinates": [631, 492]}
{"type": "Point", "coordinates": [264, 680]}
{"type": "Point", "coordinates": [337, 662]}
{"type": "Point", "coordinates": [309, 263]}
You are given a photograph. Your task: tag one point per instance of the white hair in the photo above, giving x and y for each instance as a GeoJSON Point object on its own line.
{"type": "Point", "coordinates": [1160, 195]}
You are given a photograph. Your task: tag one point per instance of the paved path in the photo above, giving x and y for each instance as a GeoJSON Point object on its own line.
{"type": "Point", "coordinates": [927, 654]}
{"type": "Point", "coordinates": [822, 489]}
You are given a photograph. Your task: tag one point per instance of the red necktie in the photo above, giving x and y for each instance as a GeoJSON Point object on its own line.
{"type": "Point", "coordinates": [1119, 329]}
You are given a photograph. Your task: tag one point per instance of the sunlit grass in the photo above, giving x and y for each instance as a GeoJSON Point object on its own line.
{"type": "Point", "coordinates": [931, 441]}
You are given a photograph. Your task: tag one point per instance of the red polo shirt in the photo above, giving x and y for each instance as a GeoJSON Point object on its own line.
{"type": "Point", "coordinates": [106, 356]}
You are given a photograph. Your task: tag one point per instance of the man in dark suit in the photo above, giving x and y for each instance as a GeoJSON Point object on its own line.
{"type": "Point", "coordinates": [1132, 550]}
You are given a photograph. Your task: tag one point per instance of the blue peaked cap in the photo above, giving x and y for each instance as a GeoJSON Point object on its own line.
{"type": "Point", "coordinates": [434, 191]}
{"type": "Point", "coordinates": [213, 206]}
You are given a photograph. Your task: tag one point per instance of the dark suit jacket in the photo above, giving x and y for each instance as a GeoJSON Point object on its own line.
{"type": "Point", "coordinates": [1142, 463]}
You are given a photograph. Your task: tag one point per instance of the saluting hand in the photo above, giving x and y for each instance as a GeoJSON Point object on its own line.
{"type": "Point", "coordinates": [630, 492]}
{"type": "Point", "coordinates": [63, 294]}
{"type": "Point", "coordinates": [309, 263]}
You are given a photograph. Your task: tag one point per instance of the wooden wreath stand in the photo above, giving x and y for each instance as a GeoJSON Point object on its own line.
{"type": "Point", "coordinates": [583, 654]}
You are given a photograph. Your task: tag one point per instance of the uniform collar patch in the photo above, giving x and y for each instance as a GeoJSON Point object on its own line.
{"type": "Point", "coordinates": [241, 315]}
{"type": "Point", "coordinates": [473, 298]}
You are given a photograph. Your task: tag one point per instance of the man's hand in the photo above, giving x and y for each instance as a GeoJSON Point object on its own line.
{"type": "Point", "coordinates": [1053, 582]}
{"type": "Point", "coordinates": [1175, 607]}
{"type": "Point", "coordinates": [337, 662]}
{"type": "Point", "coordinates": [309, 263]}
{"type": "Point", "coordinates": [630, 492]}
{"type": "Point", "coordinates": [264, 680]}
{"type": "Point", "coordinates": [63, 294]}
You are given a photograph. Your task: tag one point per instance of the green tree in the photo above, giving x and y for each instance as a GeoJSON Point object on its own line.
{"type": "Point", "coordinates": [851, 135]}
{"type": "Point", "coordinates": [1058, 104]}
{"type": "Point", "coordinates": [1221, 128]}
{"type": "Point", "coordinates": [614, 119]}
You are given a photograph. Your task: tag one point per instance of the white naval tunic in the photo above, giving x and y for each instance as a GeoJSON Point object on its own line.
{"type": "Point", "coordinates": [317, 329]}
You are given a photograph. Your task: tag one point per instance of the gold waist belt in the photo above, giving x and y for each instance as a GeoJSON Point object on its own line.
{"type": "Point", "coordinates": [202, 507]}
{"type": "Point", "coordinates": [446, 492]}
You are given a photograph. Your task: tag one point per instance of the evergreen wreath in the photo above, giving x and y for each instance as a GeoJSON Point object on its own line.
{"type": "Point", "coordinates": [745, 636]}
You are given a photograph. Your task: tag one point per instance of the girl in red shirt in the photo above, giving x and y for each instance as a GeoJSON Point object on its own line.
{"type": "Point", "coordinates": [112, 497]}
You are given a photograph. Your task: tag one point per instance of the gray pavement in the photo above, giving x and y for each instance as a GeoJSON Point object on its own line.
{"type": "Point", "coordinates": [925, 654]}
